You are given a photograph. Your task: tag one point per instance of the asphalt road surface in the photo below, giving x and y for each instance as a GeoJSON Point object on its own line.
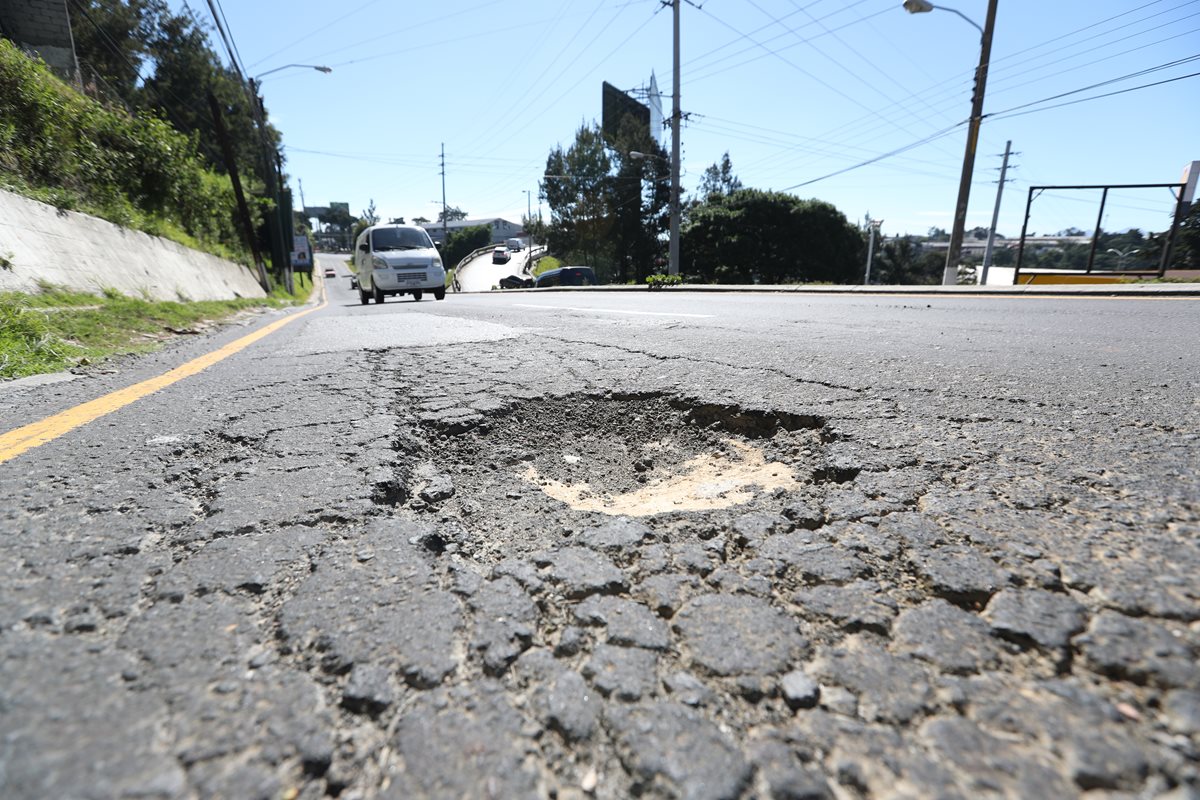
{"type": "Point", "coordinates": [581, 544]}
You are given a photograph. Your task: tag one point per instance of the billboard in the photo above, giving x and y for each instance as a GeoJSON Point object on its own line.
{"type": "Point", "coordinates": [616, 106]}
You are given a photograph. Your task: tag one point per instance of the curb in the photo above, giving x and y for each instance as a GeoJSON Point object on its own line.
{"type": "Point", "coordinates": [1032, 290]}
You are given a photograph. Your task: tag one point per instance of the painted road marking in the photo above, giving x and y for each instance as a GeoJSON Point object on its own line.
{"type": "Point", "coordinates": [614, 311]}
{"type": "Point", "coordinates": [35, 434]}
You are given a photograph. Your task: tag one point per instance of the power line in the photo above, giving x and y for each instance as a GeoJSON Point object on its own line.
{"type": "Point", "coordinates": [229, 49]}
{"type": "Point", "coordinates": [1009, 112]}
{"type": "Point", "coordinates": [951, 94]}
{"type": "Point", "coordinates": [882, 156]}
{"type": "Point", "coordinates": [322, 29]}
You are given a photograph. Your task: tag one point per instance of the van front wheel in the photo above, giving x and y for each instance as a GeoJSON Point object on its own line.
{"type": "Point", "coordinates": [439, 294]}
{"type": "Point", "coordinates": [417, 295]}
{"type": "Point", "coordinates": [378, 295]}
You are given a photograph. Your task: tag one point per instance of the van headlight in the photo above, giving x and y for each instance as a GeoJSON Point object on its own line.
{"type": "Point", "coordinates": [379, 263]}
{"type": "Point", "coordinates": [437, 262]}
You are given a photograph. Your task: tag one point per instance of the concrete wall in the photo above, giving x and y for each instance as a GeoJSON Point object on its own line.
{"type": "Point", "coordinates": [40, 243]}
{"type": "Point", "coordinates": [42, 27]}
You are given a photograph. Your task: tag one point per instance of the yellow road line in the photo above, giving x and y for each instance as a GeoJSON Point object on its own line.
{"type": "Point", "coordinates": [35, 434]}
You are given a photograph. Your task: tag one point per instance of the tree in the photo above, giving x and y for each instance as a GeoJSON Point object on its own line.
{"type": "Point", "coordinates": [938, 235]}
{"type": "Point", "coordinates": [535, 227]}
{"type": "Point", "coordinates": [112, 42]}
{"type": "Point", "coordinates": [639, 193]}
{"type": "Point", "coordinates": [460, 243]}
{"type": "Point", "coordinates": [420, 220]}
{"type": "Point", "coordinates": [576, 186]}
{"type": "Point", "coordinates": [903, 261]}
{"type": "Point", "coordinates": [719, 179]}
{"type": "Point", "coordinates": [186, 71]}
{"type": "Point", "coordinates": [770, 237]}
{"type": "Point", "coordinates": [451, 213]}
{"type": "Point", "coordinates": [370, 215]}
{"type": "Point", "coordinates": [1187, 247]}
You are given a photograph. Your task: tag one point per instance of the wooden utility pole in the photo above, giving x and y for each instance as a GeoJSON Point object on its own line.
{"type": "Point", "coordinates": [243, 209]}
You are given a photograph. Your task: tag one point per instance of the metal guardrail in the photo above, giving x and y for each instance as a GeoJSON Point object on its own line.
{"type": "Point", "coordinates": [467, 258]}
{"type": "Point", "coordinates": [530, 252]}
{"type": "Point", "coordinates": [1181, 205]}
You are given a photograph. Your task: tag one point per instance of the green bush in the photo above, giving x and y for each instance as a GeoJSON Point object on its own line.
{"type": "Point", "coordinates": [61, 147]}
{"type": "Point", "coordinates": [660, 280]}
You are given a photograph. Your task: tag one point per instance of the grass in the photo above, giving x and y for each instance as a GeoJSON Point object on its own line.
{"type": "Point", "coordinates": [57, 328]}
{"type": "Point", "coordinates": [544, 264]}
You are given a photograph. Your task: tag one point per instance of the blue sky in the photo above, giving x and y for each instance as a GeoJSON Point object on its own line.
{"type": "Point", "coordinates": [798, 92]}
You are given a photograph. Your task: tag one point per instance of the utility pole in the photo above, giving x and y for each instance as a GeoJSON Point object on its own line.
{"type": "Point", "coordinates": [987, 253]}
{"type": "Point", "coordinates": [277, 232]}
{"type": "Point", "coordinates": [964, 184]}
{"type": "Point", "coordinates": [243, 209]}
{"type": "Point", "coordinates": [873, 224]}
{"type": "Point", "coordinates": [444, 234]}
{"type": "Point", "coordinates": [529, 219]}
{"type": "Point", "coordinates": [676, 114]}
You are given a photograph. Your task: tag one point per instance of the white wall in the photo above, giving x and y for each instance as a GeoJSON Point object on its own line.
{"type": "Point", "coordinates": [40, 243]}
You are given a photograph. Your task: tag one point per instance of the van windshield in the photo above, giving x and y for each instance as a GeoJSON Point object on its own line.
{"type": "Point", "coordinates": [399, 239]}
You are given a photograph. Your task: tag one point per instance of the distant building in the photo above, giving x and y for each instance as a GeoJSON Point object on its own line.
{"type": "Point", "coordinates": [654, 100]}
{"type": "Point", "coordinates": [42, 28]}
{"type": "Point", "coordinates": [501, 228]}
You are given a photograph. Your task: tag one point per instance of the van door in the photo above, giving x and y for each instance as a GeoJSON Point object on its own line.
{"type": "Point", "coordinates": [362, 261]}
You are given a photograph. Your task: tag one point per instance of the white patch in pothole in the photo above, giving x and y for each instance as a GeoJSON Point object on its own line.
{"type": "Point", "coordinates": [706, 482]}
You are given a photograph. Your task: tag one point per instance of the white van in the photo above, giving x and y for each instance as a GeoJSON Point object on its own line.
{"type": "Point", "coordinates": [397, 259]}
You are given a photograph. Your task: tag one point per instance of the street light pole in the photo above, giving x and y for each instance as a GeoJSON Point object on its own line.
{"type": "Point", "coordinates": [317, 67]}
{"type": "Point", "coordinates": [950, 276]}
{"type": "Point", "coordinates": [280, 230]}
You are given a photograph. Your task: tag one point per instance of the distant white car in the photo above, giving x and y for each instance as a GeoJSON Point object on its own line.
{"type": "Point", "coordinates": [400, 260]}
{"type": "Point", "coordinates": [500, 255]}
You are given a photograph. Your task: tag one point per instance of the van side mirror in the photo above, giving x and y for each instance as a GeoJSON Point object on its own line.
{"type": "Point", "coordinates": [364, 247]}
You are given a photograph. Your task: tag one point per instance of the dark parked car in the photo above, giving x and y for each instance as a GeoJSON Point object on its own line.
{"type": "Point", "coordinates": [515, 282]}
{"type": "Point", "coordinates": [566, 276]}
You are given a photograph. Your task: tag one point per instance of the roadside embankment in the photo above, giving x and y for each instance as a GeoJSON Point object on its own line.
{"type": "Point", "coordinates": [41, 244]}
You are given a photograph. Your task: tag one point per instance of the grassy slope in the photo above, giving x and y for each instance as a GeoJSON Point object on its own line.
{"type": "Point", "coordinates": [57, 329]}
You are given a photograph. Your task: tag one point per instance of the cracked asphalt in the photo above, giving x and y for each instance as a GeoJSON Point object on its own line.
{"type": "Point", "coordinates": [412, 550]}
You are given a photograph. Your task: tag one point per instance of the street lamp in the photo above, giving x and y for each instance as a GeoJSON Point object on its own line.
{"type": "Point", "coordinates": [964, 186]}
{"type": "Point", "coordinates": [1122, 255]}
{"type": "Point", "coordinates": [922, 7]}
{"type": "Point", "coordinates": [673, 246]}
{"type": "Point", "coordinates": [282, 225]}
{"type": "Point", "coordinates": [317, 67]}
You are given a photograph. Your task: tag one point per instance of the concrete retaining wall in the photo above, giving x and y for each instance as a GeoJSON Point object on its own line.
{"type": "Point", "coordinates": [40, 243]}
{"type": "Point", "coordinates": [43, 28]}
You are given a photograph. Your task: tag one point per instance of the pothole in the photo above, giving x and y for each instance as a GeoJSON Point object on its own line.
{"type": "Point", "coordinates": [543, 470]}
